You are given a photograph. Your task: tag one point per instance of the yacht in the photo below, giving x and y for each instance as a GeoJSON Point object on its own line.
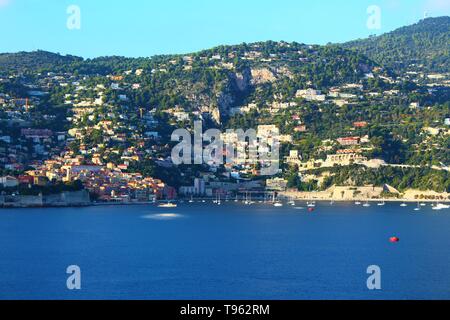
{"type": "Point", "coordinates": [311, 204]}
{"type": "Point", "coordinates": [167, 205]}
{"type": "Point", "coordinates": [366, 205]}
{"type": "Point", "coordinates": [382, 204]}
{"type": "Point", "coordinates": [441, 206]}
{"type": "Point", "coordinates": [403, 205]}
{"type": "Point", "coordinates": [277, 204]}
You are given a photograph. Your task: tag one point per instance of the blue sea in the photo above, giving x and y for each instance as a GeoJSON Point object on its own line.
{"type": "Point", "coordinates": [233, 251]}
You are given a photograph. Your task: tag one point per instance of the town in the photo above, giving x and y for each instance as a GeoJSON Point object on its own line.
{"type": "Point", "coordinates": [100, 131]}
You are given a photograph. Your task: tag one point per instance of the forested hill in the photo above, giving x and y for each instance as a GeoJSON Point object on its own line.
{"type": "Point", "coordinates": [425, 43]}
{"type": "Point", "coordinates": [215, 80]}
{"type": "Point", "coordinates": [34, 61]}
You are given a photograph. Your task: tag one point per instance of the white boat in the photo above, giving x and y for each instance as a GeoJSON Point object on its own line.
{"type": "Point", "coordinates": [311, 204]}
{"type": "Point", "coordinates": [403, 205]}
{"type": "Point", "coordinates": [366, 205]}
{"type": "Point", "coordinates": [382, 204]}
{"type": "Point", "coordinates": [277, 204]}
{"type": "Point", "coordinates": [441, 206]}
{"type": "Point", "coordinates": [423, 204]}
{"type": "Point", "coordinates": [167, 205]}
{"type": "Point", "coordinates": [358, 203]}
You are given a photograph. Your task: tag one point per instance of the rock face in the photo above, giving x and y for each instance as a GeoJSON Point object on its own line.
{"type": "Point", "coordinates": [261, 76]}
{"type": "Point", "coordinates": [243, 80]}
{"type": "Point", "coordinates": [227, 96]}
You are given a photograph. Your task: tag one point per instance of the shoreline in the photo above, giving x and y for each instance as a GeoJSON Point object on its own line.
{"type": "Point", "coordinates": [210, 200]}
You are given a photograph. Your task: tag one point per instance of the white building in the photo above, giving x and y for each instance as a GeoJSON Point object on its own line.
{"type": "Point", "coordinates": [9, 182]}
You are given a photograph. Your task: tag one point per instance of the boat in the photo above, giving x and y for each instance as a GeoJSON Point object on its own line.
{"type": "Point", "coordinates": [423, 204]}
{"type": "Point", "coordinates": [311, 209]}
{"type": "Point", "coordinates": [366, 205]}
{"type": "Point", "coordinates": [403, 205]}
{"type": "Point", "coordinates": [394, 239]}
{"type": "Point", "coordinates": [358, 203]}
{"type": "Point", "coordinates": [167, 205]}
{"type": "Point", "coordinates": [311, 204]}
{"type": "Point", "coordinates": [382, 204]}
{"type": "Point", "coordinates": [192, 199]}
{"type": "Point", "coordinates": [418, 207]}
{"type": "Point", "coordinates": [277, 204]}
{"type": "Point", "coordinates": [275, 201]}
{"type": "Point", "coordinates": [441, 206]}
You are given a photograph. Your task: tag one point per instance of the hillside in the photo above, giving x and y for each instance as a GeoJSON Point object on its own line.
{"type": "Point", "coordinates": [34, 61]}
{"type": "Point", "coordinates": [217, 80]}
{"type": "Point", "coordinates": [425, 43]}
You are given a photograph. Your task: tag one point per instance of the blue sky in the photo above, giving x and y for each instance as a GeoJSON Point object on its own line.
{"type": "Point", "coordinates": [148, 27]}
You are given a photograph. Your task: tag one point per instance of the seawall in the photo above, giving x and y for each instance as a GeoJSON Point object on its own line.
{"type": "Point", "coordinates": [64, 199]}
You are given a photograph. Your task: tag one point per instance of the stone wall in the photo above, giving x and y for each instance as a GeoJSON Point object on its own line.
{"type": "Point", "coordinates": [65, 199]}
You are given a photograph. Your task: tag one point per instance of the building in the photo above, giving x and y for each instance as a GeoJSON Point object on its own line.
{"type": "Point", "coordinates": [199, 186]}
{"type": "Point", "coordinates": [276, 184]}
{"type": "Point", "coordinates": [310, 95]}
{"type": "Point", "coordinates": [9, 182]}
{"type": "Point", "coordinates": [360, 124]}
{"type": "Point", "coordinates": [349, 141]}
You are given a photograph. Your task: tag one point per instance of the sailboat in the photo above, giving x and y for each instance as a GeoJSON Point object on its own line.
{"type": "Point", "coordinates": [367, 204]}
{"type": "Point", "coordinates": [218, 199]}
{"type": "Point", "coordinates": [275, 201]}
{"type": "Point", "coordinates": [250, 200]}
{"type": "Point", "coordinates": [382, 203]}
{"type": "Point", "coordinates": [292, 202]}
{"type": "Point", "coordinates": [192, 199]}
{"type": "Point", "coordinates": [418, 207]}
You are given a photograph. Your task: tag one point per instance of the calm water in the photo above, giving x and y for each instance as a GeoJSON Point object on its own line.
{"type": "Point", "coordinates": [227, 252]}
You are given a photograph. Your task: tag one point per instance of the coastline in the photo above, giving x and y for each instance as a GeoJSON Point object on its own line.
{"type": "Point", "coordinates": [210, 200]}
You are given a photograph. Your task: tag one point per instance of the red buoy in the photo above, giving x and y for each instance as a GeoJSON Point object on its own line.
{"type": "Point", "coordinates": [311, 209]}
{"type": "Point", "coordinates": [394, 239]}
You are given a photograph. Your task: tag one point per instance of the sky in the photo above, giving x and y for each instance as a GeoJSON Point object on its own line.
{"type": "Point", "coordinates": [142, 28]}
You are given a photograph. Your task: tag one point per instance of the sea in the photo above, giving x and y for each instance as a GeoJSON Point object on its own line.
{"type": "Point", "coordinates": [201, 251]}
